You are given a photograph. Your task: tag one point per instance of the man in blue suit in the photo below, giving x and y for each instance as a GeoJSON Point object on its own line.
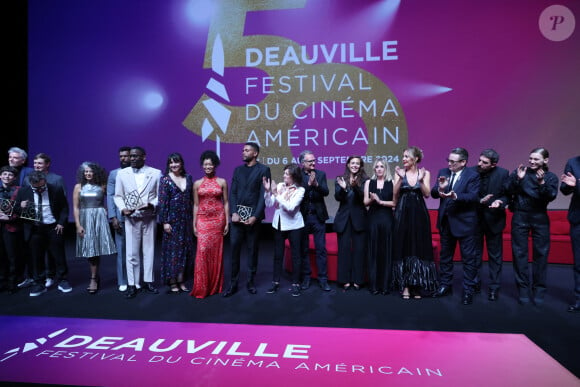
{"type": "Point", "coordinates": [457, 187]}
{"type": "Point", "coordinates": [571, 185]}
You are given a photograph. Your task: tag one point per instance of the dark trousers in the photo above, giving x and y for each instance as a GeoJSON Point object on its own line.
{"type": "Point", "coordinates": [44, 239]}
{"type": "Point", "coordinates": [575, 236]}
{"type": "Point", "coordinates": [10, 255]}
{"type": "Point", "coordinates": [238, 234]}
{"type": "Point", "coordinates": [318, 230]}
{"type": "Point", "coordinates": [494, 242]}
{"type": "Point", "coordinates": [469, 254]}
{"type": "Point", "coordinates": [538, 224]}
{"type": "Point", "coordinates": [294, 236]}
{"type": "Point", "coordinates": [351, 255]}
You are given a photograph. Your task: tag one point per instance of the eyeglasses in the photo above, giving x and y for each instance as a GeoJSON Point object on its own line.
{"type": "Point", "coordinates": [453, 161]}
{"type": "Point", "coordinates": [310, 161]}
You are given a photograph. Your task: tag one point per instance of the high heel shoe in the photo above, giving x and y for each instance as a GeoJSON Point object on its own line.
{"type": "Point", "coordinates": [94, 290]}
{"type": "Point", "coordinates": [173, 289]}
{"type": "Point", "coordinates": [182, 287]}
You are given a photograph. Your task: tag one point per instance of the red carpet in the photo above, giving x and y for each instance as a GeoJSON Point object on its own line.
{"type": "Point", "coordinates": [145, 353]}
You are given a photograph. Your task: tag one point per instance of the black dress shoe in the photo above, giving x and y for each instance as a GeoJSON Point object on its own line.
{"type": "Point", "coordinates": [274, 288]}
{"type": "Point", "coordinates": [467, 299]}
{"type": "Point", "coordinates": [444, 290]}
{"type": "Point", "coordinates": [131, 292]}
{"type": "Point", "coordinates": [324, 285]}
{"type": "Point", "coordinates": [305, 283]}
{"type": "Point", "coordinates": [150, 288]}
{"type": "Point", "coordinates": [231, 291]}
{"type": "Point", "coordinates": [574, 308]}
{"type": "Point", "coordinates": [251, 287]}
{"type": "Point", "coordinates": [493, 295]}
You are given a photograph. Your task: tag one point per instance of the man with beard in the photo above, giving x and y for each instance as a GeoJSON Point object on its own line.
{"type": "Point", "coordinates": [491, 216]}
{"type": "Point", "coordinates": [136, 196]}
{"type": "Point", "coordinates": [117, 219]}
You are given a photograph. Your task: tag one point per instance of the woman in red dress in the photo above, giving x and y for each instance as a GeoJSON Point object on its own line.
{"type": "Point", "coordinates": [210, 209]}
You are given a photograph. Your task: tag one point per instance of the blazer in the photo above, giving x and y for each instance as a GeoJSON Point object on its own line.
{"type": "Point", "coordinates": [314, 196]}
{"type": "Point", "coordinates": [573, 166]}
{"type": "Point", "coordinates": [461, 212]}
{"type": "Point", "coordinates": [351, 207]}
{"type": "Point", "coordinates": [494, 218]}
{"type": "Point", "coordinates": [287, 213]}
{"type": "Point", "coordinates": [58, 205]}
{"type": "Point", "coordinates": [125, 183]}
{"type": "Point", "coordinates": [112, 210]}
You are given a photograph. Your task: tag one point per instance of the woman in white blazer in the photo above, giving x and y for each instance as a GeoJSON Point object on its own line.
{"type": "Point", "coordinates": [288, 222]}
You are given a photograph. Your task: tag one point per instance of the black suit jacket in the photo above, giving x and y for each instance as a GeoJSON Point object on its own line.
{"type": "Point", "coordinates": [494, 218]}
{"type": "Point", "coordinates": [462, 212]}
{"type": "Point", "coordinates": [315, 195]}
{"type": "Point", "coordinates": [351, 206]}
{"type": "Point", "coordinates": [58, 205]}
{"type": "Point", "coordinates": [248, 190]}
{"type": "Point", "coordinates": [573, 166]}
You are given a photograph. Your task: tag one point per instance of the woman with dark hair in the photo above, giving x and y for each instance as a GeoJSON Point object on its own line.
{"type": "Point", "coordinates": [287, 221]}
{"type": "Point", "coordinates": [379, 200]}
{"type": "Point", "coordinates": [350, 223]}
{"type": "Point", "coordinates": [414, 270]}
{"type": "Point", "coordinates": [93, 231]}
{"type": "Point", "coordinates": [176, 216]}
{"type": "Point", "coordinates": [530, 189]}
{"type": "Point", "coordinates": [210, 225]}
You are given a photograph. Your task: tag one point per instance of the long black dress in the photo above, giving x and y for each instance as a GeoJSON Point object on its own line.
{"type": "Point", "coordinates": [413, 264]}
{"type": "Point", "coordinates": [380, 218]}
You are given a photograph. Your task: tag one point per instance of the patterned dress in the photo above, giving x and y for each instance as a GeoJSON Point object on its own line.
{"type": "Point", "coordinates": [211, 220]}
{"type": "Point", "coordinates": [93, 218]}
{"type": "Point", "coordinates": [175, 208]}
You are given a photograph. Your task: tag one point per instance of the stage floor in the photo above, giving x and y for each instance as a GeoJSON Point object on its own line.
{"type": "Point", "coordinates": [152, 353]}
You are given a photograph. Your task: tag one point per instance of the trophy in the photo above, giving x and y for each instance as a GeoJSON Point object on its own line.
{"type": "Point", "coordinates": [30, 213]}
{"type": "Point", "coordinates": [6, 207]}
{"type": "Point", "coordinates": [133, 200]}
{"type": "Point", "coordinates": [244, 212]}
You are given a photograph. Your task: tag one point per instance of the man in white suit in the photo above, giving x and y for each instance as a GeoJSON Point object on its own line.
{"type": "Point", "coordinates": [136, 190]}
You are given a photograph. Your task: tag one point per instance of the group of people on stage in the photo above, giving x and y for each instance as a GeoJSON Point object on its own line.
{"type": "Point", "coordinates": [382, 223]}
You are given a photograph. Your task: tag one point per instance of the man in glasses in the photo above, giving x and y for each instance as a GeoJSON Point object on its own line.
{"type": "Point", "coordinates": [315, 215]}
{"type": "Point", "coordinates": [44, 208]}
{"type": "Point", "coordinates": [457, 188]}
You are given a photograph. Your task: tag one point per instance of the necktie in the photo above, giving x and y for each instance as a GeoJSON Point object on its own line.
{"type": "Point", "coordinates": [39, 211]}
{"type": "Point", "coordinates": [451, 181]}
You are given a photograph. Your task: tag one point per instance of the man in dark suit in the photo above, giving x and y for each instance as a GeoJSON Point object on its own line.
{"type": "Point", "coordinates": [457, 187]}
{"type": "Point", "coordinates": [315, 215]}
{"type": "Point", "coordinates": [491, 216]}
{"type": "Point", "coordinates": [44, 208]}
{"type": "Point", "coordinates": [42, 163]}
{"type": "Point", "coordinates": [571, 185]}
{"type": "Point", "coordinates": [247, 211]}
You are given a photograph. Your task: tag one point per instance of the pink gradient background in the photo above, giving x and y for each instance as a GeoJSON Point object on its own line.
{"type": "Point", "coordinates": [462, 358]}
{"type": "Point", "coordinates": [512, 89]}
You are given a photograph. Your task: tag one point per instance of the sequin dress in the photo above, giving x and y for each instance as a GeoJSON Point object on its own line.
{"type": "Point", "coordinates": [175, 208]}
{"type": "Point", "coordinates": [97, 240]}
{"type": "Point", "coordinates": [211, 220]}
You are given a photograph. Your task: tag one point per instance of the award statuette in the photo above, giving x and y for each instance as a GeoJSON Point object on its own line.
{"type": "Point", "coordinates": [133, 200]}
{"type": "Point", "coordinates": [6, 207]}
{"type": "Point", "coordinates": [244, 212]}
{"type": "Point", "coordinates": [30, 213]}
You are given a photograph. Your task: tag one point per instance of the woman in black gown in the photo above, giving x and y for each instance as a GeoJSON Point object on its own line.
{"type": "Point", "coordinates": [414, 270]}
{"type": "Point", "coordinates": [379, 200]}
